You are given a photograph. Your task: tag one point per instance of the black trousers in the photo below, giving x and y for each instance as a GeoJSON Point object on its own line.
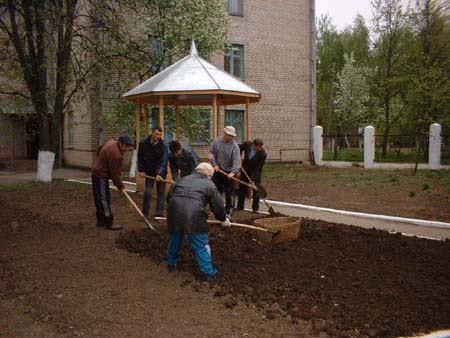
{"type": "Point", "coordinates": [243, 192]}
{"type": "Point", "coordinates": [224, 184]}
{"type": "Point", "coordinates": [160, 190]}
{"type": "Point", "coordinates": [102, 200]}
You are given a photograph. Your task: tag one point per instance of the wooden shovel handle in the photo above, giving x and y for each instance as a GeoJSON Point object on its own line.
{"type": "Point", "coordinates": [239, 225]}
{"type": "Point", "coordinates": [133, 203]}
{"type": "Point", "coordinates": [238, 180]}
{"type": "Point", "coordinates": [164, 180]}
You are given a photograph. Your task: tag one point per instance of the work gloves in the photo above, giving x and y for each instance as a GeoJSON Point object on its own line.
{"type": "Point", "coordinates": [226, 223]}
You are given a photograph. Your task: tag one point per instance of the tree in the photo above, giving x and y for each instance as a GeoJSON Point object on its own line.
{"type": "Point", "coordinates": [428, 97]}
{"type": "Point", "coordinates": [390, 27]}
{"type": "Point", "coordinates": [352, 97]}
{"type": "Point", "coordinates": [331, 48]}
{"type": "Point", "coordinates": [59, 45]}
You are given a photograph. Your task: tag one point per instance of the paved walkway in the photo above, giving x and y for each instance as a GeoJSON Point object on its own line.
{"type": "Point", "coordinates": [404, 227]}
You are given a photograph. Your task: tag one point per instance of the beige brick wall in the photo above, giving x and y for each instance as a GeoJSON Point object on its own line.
{"type": "Point", "coordinates": [276, 39]}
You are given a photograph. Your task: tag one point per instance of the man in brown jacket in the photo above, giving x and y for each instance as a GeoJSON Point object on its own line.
{"type": "Point", "coordinates": [108, 165]}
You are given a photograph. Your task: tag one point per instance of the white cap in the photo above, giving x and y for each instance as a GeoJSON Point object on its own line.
{"type": "Point", "coordinates": [229, 130]}
{"type": "Point", "coordinates": [206, 169]}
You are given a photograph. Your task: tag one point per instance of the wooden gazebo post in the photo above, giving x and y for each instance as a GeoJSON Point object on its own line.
{"type": "Point", "coordinates": [177, 120]}
{"type": "Point", "coordinates": [161, 114]}
{"type": "Point", "coordinates": [214, 113]}
{"type": "Point", "coordinates": [247, 118]}
{"type": "Point", "coordinates": [139, 180]}
{"type": "Point", "coordinates": [146, 129]}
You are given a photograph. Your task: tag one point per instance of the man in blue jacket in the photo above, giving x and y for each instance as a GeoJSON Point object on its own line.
{"type": "Point", "coordinates": [182, 160]}
{"type": "Point", "coordinates": [152, 161]}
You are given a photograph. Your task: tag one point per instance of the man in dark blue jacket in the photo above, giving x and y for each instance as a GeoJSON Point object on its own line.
{"type": "Point", "coordinates": [152, 161]}
{"type": "Point", "coordinates": [186, 202]}
{"type": "Point", "coordinates": [182, 160]}
{"type": "Point", "coordinates": [254, 160]}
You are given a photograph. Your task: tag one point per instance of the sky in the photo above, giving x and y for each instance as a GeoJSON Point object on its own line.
{"type": "Point", "coordinates": [342, 12]}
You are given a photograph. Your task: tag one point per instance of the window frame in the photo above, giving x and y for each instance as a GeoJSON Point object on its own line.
{"type": "Point", "coordinates": [230, 49]}
{"type": "Point", "coordinates": [240, 6]}
{"type": "Point", "coordinates": [233, 112]}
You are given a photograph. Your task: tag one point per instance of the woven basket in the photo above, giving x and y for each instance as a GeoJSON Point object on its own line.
{"type": "Point", "coordinates": [288, 226]}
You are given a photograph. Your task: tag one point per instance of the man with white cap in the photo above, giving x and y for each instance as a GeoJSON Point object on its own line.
{"type": "Point", "coordinates": [226, 156]}
{"type": "Point", "coordinates": [186, 202]}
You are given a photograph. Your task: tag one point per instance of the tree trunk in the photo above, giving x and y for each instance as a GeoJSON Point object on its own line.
{"type": "Point", "coordinates": [387, 126]}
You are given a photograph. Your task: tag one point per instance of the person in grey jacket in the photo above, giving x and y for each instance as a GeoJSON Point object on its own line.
{"type": "Point", "coordinates": [182, 160]}
{"type": "Point", "coordinates": [226, 156]}
{"type": "Point", "coordinates": [186, 202]}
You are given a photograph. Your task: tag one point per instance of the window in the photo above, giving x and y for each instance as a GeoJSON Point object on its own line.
{"type": "Point", "coordinates": [234, 60]}
{"type": "Point", "coordinates": [160, 57]}
{"type": "Point", "coordinates": [236, 118]}
{"type": "Point", "coordinates": [235, 7]}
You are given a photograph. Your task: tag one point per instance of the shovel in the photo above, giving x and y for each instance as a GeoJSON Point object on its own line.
{"type": "Point", "coordinates": [163, 180]}
{"type": "Point", "coordinates": [275, 234]}
{"type": "Point", "coordinates": [262, 191]}
{"type": "Point", "coordinates": [139, 211]}
{"type": "Point", "coordinates": [271, 211]}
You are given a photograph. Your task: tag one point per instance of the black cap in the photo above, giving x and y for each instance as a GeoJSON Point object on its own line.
{"type": "Point", "coordinates": [126, 139]}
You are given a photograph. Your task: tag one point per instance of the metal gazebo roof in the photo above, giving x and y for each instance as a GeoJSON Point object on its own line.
{"type": "Point", "coordinates": [193, 81]}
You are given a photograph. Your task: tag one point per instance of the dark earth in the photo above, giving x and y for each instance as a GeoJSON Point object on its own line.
{"type": "Point", "coordinates": [61, 277]}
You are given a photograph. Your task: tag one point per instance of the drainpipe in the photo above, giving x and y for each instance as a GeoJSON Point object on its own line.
{"type": "Point", "coordinates": [312, 19]}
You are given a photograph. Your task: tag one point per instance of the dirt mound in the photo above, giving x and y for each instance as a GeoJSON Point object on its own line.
{"type": "Point", "coordinates": [348, 281]}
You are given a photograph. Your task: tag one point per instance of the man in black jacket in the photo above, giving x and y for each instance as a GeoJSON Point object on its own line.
{"type": "Point", "coordinates": [152, 161]}
{"type": "Point", "coordinates": [254, 159]}
{"type": "Point", "coordinates": [186, 212]}
{"type": "Point", "coordinates": [182, 159]}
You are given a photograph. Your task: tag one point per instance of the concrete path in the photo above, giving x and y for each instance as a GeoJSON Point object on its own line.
{"type": "Point", "coordinates": [403, 227]}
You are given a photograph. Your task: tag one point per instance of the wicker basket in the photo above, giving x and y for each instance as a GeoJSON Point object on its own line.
{"type": "Point", "coordinates": [288, 226]}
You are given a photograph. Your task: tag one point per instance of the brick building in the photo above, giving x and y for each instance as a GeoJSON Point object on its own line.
{"type": "Point", "coordinates": [272, 52]}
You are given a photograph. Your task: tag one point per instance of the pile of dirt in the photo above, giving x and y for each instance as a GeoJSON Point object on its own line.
{"type": "Point", "coordinates": [348, 281]}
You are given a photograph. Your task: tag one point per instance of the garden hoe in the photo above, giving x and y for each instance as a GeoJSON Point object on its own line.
{"type": "Point", "coordinates": [271, 211]}
{"type": "Point", "coordinates": [275, 234]}
{"type": "Point", "coordinates": [139, 211]}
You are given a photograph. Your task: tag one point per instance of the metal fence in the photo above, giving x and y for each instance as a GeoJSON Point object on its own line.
{"type": "Point", "coordinates": [445, 149]}
{"type": "Point", "coordinates": [343, 148]}
{"type": "Point", "coordinates": [402, 148]}
{"type": "Point", "coordinates": [399, 149]}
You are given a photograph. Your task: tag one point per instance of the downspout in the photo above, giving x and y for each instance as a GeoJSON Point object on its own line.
{"type": "Point", "coordinates": [312, 20]}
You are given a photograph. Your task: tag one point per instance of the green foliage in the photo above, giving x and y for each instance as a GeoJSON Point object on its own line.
{"type": "Point", "coordinates": [352, 96]}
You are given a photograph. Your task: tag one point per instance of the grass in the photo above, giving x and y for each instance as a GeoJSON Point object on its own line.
{"type": "Point", "coordinates": [422, 180]}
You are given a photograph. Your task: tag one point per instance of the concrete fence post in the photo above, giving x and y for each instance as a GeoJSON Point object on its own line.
{"type": "Point", "coordinates": [318, 144]}
{"type": "Point", "coordinates": [369, 146]}
{"type": "Point", "coordinates": [434, 147]}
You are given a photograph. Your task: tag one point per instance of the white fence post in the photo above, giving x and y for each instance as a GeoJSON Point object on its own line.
{"type": "Point", "coordinates": [434, 147]}
{"type": "Point", "coordinates": [369, 146]}
{"type": "Point", "coordinates": [318, 144]}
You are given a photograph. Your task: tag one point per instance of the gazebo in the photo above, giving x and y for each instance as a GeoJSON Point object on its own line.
{"type": "Point", "coordinates": [192, 81]}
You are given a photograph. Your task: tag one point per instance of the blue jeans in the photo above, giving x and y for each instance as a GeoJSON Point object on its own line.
{"type": "Point", "coordinates": [200, 245]}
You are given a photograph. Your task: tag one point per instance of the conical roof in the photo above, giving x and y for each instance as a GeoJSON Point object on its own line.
{"type": "Point", "coordinates": [192, 81]}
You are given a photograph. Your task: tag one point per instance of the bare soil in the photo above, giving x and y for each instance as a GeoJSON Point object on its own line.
{"type": "Point", "coordinates": [423, 195]}
{"type": "Point", "coordinates": [62, 277]}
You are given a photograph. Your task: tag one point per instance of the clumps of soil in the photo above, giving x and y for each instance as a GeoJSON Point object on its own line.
{"type": "Point", "coordinates": [348, 281]}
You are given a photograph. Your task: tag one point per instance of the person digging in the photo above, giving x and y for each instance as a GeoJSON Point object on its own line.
{"type": "Point", "coordinates": [186, 202]}
{"type": "Point", "coordinates": [226, 157]}
{"type": "Point", "coordinates": [108, 165]}
{"type": "Point", "coordinates": [252, 165]}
